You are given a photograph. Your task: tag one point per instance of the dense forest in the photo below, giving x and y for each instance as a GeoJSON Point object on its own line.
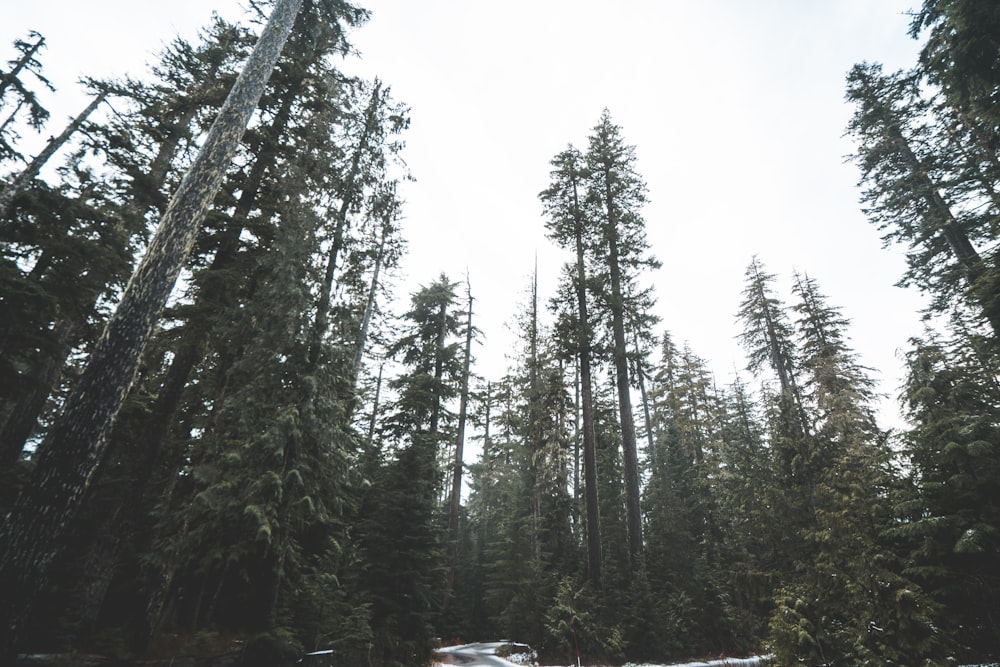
{"type": "Point", "coordinates": [215, 436]}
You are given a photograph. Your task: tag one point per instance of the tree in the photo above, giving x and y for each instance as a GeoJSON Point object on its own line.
{"type": "Point", "coordinates": [12, 80]}
{"type": "Point", "coordinates": [18, 183]}
{"type": "Point", "coordinates": [854, 574]}
{"type": "Point", "coordinates": [567, 226]}
{"type": "Point", "coordinates": [458, 468]}
{"type": "Point", "coordinates": [914, 195]}
{"type": "Point", "coordinates": [617, 192]}
{"type": "Point", "coordinates": [72, 450]}
{"type": "Point", "coordinates": [683, 529]}
{"type": "Point", "coordinates": [949, 527]}
{"type": "Point", "coordinates": [402, 527]}
{"type": "Point", "coordinates": [959, 56]}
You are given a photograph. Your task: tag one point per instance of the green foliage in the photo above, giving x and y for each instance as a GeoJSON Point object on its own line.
{"type": "Point", "coordinates": [780, 517]}
{"type": "Point", "coordinates": [950, 527]}
{"type": "Point", "coordinates": [572, 624]}
{"type": "Point", "coordinates": [17, 99]}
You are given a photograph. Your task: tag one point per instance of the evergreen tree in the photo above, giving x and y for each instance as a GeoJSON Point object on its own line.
{"type": "Point", "coordinates": [769, 339]}
{"type": "Point", "coordinates": [750, 528]}
{"type": "Point", "coordinates": [73, 448]}
{"type": "Point", "coordinates": [682, 526]}
{"type": "Point", "coordinates": [915, 194]}
{"type": "Point", "coordinates": [17, 99]}
{"type": "Point", "coordinates": [531, 545]}
{"type": "Point", "coordinates": [567, 225]}
{"type": "Point", "coordinates": [458, 467]}
{"type": "Point", "coordinates": [402, 525]}
{"type": "Point", "coordinates": [853, 575]}
{"type": "Point", "coordinates": [616, 192]}
{"type": "Point", "coordinates": [959, 56]}
{"type": "Point", "coordinates": [950, 527]}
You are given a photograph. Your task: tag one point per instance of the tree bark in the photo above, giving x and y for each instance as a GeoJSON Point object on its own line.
{"type": "Point", "coordinates": [143, 193]}
{"type": "Point", "coordinates": [630, 457]}
{"type": "Point", "coordinates": [587, 400]}
{"type": "Point", "coordinates": [74, 448]}
{"type": "Point", "coordinates": [455, 506]}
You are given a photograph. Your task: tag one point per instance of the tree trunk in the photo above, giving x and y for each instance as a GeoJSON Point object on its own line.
{"type": "Point", "coordinates": [73, 449]}
{"type": "Point", "coordinates": [645, 410]}
{"type": "Point", "coordinates": [943, 222]}
{"type": "Point", "coordinates": [587, 399]}
{"type": "Point", "coordinates": [7, 78]}
{"type": "Point", "coordinates": [455, 505]}
{"type": "Point", "coordinates": [630, 457]}
{"type": "Point", "coordinates": [21, 422]}
{"type": "Point", "coordinates": [438, 368]}
{"type": "Point", "coordinates": [349, 195]}
{"type": "Point", "coordinates": [370, 303]}
{"type": "Point", "coordinates": [375, 402]}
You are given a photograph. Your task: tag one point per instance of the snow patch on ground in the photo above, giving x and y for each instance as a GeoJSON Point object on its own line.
{"type": "Point", "coordinates": [758, 661]}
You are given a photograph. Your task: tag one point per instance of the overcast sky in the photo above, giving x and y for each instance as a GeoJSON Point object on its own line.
{"type": "Point", "coordinates": [735, 109]}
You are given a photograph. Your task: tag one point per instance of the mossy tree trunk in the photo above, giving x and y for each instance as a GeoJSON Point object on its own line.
{"type": "Point", "coordinates": [73, 449]}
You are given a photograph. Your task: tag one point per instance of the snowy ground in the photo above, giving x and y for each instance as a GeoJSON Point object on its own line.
{"type": "Point", "coordinates": [726, 662]}
{"type": "Point", "coordinates": [485, 655]}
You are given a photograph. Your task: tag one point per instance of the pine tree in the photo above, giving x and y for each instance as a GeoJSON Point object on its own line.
{"type": "Point", "coordinates": [769, 340]}
{"type": "Point", "coordinates": [682, 527]}
{"type": "Point", "coordinates": [854, 575]}
{"type": "Point", "coordinates": [958, 56]}
{"type": "Point", "coordinates": [950, 526]}
{"type": "Point", "coordinates": [402, 526]}
{"type": "Point", "coordinates": [616, 192]}
{"type": "Point", "coordinates": [750, 527]}
{"type": "Point", "coordinates": [72, 449]}
{"type": "Point", "coordinates": [568, 226]}
{"type": "Point", "coordinates": [914, 194]}
{"type": "Point", "coordinates": [18, 99]}
{"type": "Point", "coordinates": [458, 467]}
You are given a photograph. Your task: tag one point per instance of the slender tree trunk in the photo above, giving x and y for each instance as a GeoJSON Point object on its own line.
{"type": "Point", "coordinates": [375, 401]}
{"type": "Point", "coordinates": [349, 195]}
{"type": "Point", "coordinates": [7, 78]}
{"type": "Point", "coordinates": [645, 412]}
{"type": "Point", "coordinates": [630, 457]}
{"type": "Point", "coordinates": [438, 368]}
{"type": "Point", "coordinates": [577, 436]}
{"type": "Point", "coordinates": [21, 422]}
{"type": "Point", "coordinates": [11, 118]}
{"type": "Point", "coordinates": [370, 303]}
{"type": "Point", "coordinates": [943, 222]}
{"type": "Point", "coordinates": [455, 506]}
{"type": "Point", "coordinates": [74, 447]}
{"type": "Point", "coordinates": [587, 398]}
{"type": "Point", "coordinates": [21, 181]}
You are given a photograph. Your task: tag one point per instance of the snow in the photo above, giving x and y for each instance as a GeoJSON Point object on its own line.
{"type": "Point", "coordinates": [487, 653]}
{"type": "Point", "coordinates": [725, 662]}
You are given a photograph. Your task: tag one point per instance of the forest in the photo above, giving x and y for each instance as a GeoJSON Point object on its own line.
{"type": "Point", "coordinates": [218, 439]}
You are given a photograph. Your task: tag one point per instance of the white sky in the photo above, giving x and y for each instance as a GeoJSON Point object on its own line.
{"type": "Point", "coordinates": [735, 108]}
